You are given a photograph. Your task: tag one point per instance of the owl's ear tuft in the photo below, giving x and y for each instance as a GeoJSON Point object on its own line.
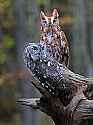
{"type": "Point", "coordinates": [42, 15]}
{"type": "Point", "coordinates": [55, 13]}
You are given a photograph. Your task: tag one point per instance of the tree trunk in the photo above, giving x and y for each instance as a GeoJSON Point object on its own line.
{"type": "Point", "coordinates": [79, 36]}
{"type": "Point", "coordinates": [22, 36]}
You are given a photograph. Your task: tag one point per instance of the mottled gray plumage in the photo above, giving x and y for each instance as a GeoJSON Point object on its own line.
{"type": "Point", "coordinates": [36, 56]}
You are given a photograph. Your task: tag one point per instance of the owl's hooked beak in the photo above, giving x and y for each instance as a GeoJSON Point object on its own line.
{"type": "Point", "coordinates": [50, 25]}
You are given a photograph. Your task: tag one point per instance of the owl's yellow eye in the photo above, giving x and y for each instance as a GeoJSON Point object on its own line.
{"type": "Point", "coordinates": [54, 20]}
{"type": "Point", "coordinates": [44, 21]}
{"type": "Point", "coordinates": [35, 48]}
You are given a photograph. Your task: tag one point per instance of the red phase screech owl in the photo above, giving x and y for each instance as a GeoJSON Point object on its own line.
{"type": "Point", "coordinates": [54, 38]}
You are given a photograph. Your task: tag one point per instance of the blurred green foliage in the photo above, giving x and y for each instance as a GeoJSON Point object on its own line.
{"type": "Point", "coordinates": [7, 42]}
{"type": "Point", "coordinates": [7, 24]}
{"type": "Point", "coordinates": [40, 2]}
{"type": "Point", "coordinates": [71, 23]}
{"type": "Point", "coordinates": [2, 56]}
{"type": "Point", "coordinates": [6, 14]}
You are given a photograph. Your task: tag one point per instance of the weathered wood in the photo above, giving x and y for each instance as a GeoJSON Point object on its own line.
{"type": "Point", "coordinates": [62, 90]}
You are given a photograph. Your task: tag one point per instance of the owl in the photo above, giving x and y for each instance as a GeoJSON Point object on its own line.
{"type": "Point", "coordinates": [33, 54]}
{"type": "Point", "coordinates": [54, 38]}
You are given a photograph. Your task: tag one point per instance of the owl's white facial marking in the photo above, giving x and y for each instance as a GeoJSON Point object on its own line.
{"type": "Point", "coordinates": [49, 63]}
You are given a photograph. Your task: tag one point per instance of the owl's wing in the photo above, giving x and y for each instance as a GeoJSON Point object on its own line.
{"type": "Point", "coordinates": [65, 49]}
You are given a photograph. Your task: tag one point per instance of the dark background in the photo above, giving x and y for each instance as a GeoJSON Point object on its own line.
{"type": "Point", "coordinates": [19, 25]}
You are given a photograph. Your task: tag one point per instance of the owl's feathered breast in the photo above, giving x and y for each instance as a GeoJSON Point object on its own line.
{"type": "Point", "coordinates": [57, 45]}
